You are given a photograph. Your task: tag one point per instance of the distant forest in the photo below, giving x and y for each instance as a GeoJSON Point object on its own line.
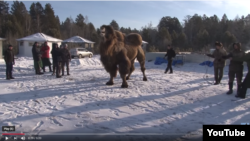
{"type": "Point", "coordinates": [196, 33]}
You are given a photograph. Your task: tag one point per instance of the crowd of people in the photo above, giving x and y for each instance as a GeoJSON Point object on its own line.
{"type": "Point", "coordinates": [220, 55]}
{"type": "Point", "coordinates": [41, 56]}
{"type": "Point", "coordinates": [237, 57]}
{"type": "Point", "coordinates": [61, 58]}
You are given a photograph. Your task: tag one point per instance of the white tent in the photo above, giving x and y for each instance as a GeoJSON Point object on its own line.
{"type": "Point", "coordinates": [77, 39]}
{"type": "Point", "coordinates": [1, 47]}
{"type": "Point", "coordinates": [144, 45]}
{"type": "Point", "coordinates": [26, 43]}
{"type": "Point", "coordinates": [39, 37]}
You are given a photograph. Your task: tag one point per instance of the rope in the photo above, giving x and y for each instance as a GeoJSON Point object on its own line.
{"type": "Point", "coordinates": [205, 76]}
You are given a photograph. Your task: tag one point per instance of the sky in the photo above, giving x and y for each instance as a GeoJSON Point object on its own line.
{"type": "Point", "coordinates": [137, 14]}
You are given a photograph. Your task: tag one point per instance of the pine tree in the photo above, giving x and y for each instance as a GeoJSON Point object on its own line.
{"type": "Point", "coordinates": [174, 38]}
{"type": "Point", "coordinates": [37, 15]}
{"type": "Point", "coordinates": [4, 12]}
{"type": "Point", "coordinates": [80, 21]}
{"type": "Point", "coordinates": [115, 25]}
{"type": "Point", "coordinates": [19, 15]}
{"type": "Point", "coordinates": [51, 25]}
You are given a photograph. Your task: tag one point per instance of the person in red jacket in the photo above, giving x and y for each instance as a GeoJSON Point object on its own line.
{"type": "Point", "coordinates": [45, 56]}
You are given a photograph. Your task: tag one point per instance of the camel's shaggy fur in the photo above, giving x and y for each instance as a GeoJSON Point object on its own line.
{"type": "Point", "coordinates": [118, 49]}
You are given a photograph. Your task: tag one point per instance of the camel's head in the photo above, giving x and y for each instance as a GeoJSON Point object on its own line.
{"type": "Point", "coordinates": [107, 33]}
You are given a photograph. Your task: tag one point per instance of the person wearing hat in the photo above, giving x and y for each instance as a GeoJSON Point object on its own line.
{"type": "Point", "coordinates": [219, 61]}
{"type": "Point", "coordinates": [58, 55]}
{"type": "Point", "coordinates": [246, 82]}
{"type": "Point", "coordinates": [66, 58]}
{"type": "Point", "coordinates": [170, 55]}
{"type": "Point", "coordinates": [235, 68]}
{"type": "Point", "coordinates": [9, 61]}
{"type": "Point", "coordinates": [54, 57]}
{"type": "Point", "coordinates": [45, 56]}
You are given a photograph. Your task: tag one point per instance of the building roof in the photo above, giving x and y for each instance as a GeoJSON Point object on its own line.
{"type": "Point", "coordinates": [1, 39]}
{"type": "Point", "coordinates": [39, 37]}
{"type": "Point", "coordinates": [77, 39]}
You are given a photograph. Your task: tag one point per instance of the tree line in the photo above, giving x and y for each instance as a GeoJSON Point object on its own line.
{"type": "Point", "coordinates": [195, 33]}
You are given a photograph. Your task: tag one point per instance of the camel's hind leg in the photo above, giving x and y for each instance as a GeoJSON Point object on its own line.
{"type": "Point", "coordinates": [132, 68]}
{"type": "Point", "coordinates": [141, 59]}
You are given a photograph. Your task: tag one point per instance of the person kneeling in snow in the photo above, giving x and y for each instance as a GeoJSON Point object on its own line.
{"type": "Point", "coordinates": [9, 61]}
{"type": "Point", "coordinates": [246, 82]}
{"type": "Point", "coordinates": [219, 62]}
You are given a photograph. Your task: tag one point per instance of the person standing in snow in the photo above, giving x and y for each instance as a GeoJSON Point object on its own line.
{"type": "Point", "coordinates": [45, 56]}
{"type": "Point", "coordinates": [58, 55]}
{"type": "Point", "coordinates": [54, 57]}
{"type": "Point", "coordinates": [219, 62]}
{"type": "Point", "coordinates": [170, 55]}
{"type": "Point", "coordinates": [9, 61]}
{"type": "Point", "coordinates": [246, 82]}
{"type": "Point", "coordinates": [37, 58]}
{"type": "Point", "coordinates": [235, 68]}
{"type": "Point", "coordinates": [65, 59]}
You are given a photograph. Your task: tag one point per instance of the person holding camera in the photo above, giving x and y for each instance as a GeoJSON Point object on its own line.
{"type": "Point", "coordinates": [219, 61]}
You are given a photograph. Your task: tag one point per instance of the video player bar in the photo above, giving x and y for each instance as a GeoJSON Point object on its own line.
{"type": "Point", "coordinates": [13, 134]}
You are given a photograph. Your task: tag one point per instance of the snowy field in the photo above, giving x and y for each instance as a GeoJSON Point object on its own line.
{"type": "Point", "coordinates": [172, 104]}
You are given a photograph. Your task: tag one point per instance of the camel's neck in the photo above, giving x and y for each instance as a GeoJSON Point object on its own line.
{"type": "Point", "coordinates": [107, 47]}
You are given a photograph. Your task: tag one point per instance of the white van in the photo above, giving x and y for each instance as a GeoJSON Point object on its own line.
{"type": "Point", "coordinates": [80, 53]}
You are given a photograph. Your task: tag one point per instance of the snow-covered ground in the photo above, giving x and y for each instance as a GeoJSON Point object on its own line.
{"type": "Point", "coordinates": [172, 104]}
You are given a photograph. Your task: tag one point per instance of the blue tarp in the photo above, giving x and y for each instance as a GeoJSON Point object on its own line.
{"type": "Point", "coordinates": [177, 62]}
{"type": "Point", "coordinates": [159, 61]}
{"type": "Point", "coordinates": [207, 63]}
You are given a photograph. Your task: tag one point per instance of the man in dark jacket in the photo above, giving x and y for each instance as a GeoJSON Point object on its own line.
{"type": "Point", "coordinates": [65, 59]}
{"type": "Point", "coordinates": [219, 62]}
{"type": "Point", "coordinates": [235, 68]}
{"type": "Point", "coordinates": [37, 58]}
{"type": "Point", "coordinates": [246, 82]}
{"type": "Point", "coordinates": [54, 57]}
{"type": "Point", "coordinates": [9, 61]}
{"type": "Point", "coordinates": [170, 55]}
{"type": "Point", "coordinates": [58, 55]}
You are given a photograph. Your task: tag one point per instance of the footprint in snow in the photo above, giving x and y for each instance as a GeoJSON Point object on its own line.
{"type": "Point", "coordinates": [54, 121]}
{"type": "Point", "coordinates": [38, 125]}
{"type": "Point", "coordinates": [78, 125]}
{"type": "Point", "coordinates": [115, 113]}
